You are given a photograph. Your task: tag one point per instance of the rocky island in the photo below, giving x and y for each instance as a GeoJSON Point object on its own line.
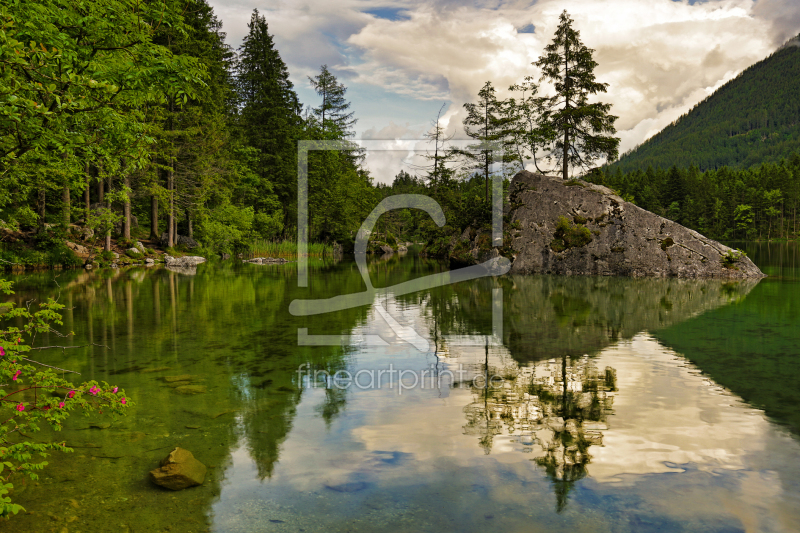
{"type": "Point", "coordinates": [579, 228]}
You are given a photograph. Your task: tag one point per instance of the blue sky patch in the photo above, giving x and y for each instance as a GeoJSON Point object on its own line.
{"type": "Point", "coordinates": [388, 13]}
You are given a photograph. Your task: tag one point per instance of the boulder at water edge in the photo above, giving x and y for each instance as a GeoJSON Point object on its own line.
{"type": "Point", "coordinates": [186, 261]}
{"type": "Point", "coordinates": [179, 470]}
{"type": "Point", "coordinates": [578, 228]}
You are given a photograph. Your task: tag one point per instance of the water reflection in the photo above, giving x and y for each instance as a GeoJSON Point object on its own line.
{"type": "Point", "coordinates": [553, 409]}
{"type": "Point", "coordinates": [586, 430]}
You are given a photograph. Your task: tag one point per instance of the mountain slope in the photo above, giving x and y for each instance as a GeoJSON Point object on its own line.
{"type": "Point", "coordinates": [752, 119]}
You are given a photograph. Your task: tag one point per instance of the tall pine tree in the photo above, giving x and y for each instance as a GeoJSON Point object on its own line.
{"type": "Point", "coordinates": [270, 112]}
{"type": "Point", "coordinates": [333, 114]}
{"type": "Point", "coordinates": [581, 132]}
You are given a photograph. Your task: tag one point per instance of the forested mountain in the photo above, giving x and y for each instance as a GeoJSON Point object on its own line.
{"type": "Point", "coordinates": [753, 119]}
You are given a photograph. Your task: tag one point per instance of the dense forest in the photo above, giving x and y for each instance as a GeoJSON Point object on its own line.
{"type": "Point", "coordinates": [760, 202]}
{"type": "Point", "coordinates": [752, 119]}
{"type": "Point", "coordinates": [126, 122]}
{"type": "Point", "coordinates": [137, 121]}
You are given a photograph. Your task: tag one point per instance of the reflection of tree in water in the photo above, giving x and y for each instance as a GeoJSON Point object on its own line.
{"type": "Point", "coordinates": [561, 405]}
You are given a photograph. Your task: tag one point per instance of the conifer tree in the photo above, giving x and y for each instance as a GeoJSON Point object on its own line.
{"type": "Point", "coordinates": [333, 115]}
{"type": "Point", "coordinates": [581, 132]}
{"type": "Point", "coordinates": [485, 123]}
{"type": "Point", "coordinates": [269, 111]}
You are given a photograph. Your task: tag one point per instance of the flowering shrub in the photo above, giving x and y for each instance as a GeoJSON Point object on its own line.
{"type": "Point", "coordinates": [32, 394]}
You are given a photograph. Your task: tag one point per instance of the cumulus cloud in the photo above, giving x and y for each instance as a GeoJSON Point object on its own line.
{"type": "Point", "coordinates": [659, 57]}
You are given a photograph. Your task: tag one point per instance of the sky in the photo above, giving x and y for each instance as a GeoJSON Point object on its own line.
{"type": "Point", "coordinates": [402, 60]}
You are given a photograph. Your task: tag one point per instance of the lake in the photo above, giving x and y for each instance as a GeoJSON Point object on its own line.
{"type": "Point", "coordinates": [536, 404]}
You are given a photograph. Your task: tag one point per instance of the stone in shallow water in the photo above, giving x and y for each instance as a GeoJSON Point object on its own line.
{"type": "Point", "coordinates": [157, 369]}
{"type": "Point", "coordinates": [191, 389]}
{"type": "Point", "coordinates": [179, 470]}
{"type": "Point", "coordinates": [183, 377]}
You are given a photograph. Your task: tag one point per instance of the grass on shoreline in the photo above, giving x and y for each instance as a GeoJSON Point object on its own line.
{"type": "Point", "coordinates": [288, 249]}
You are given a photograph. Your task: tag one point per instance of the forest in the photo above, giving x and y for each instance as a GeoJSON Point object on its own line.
{"type": "Point", "coordinates": [137, 120]}
{"type": "Point", "coordinates": [757, 203]}
{"type": "Point", "coordinates": [129, 122]}
{"type": "Point", "coordinates": [125, 122]}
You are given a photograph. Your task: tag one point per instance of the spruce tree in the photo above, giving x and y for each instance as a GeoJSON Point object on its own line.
{"type": "Point", "coordinates": [269, 110]}
{"type": "Point", "coordinates": [581, 132]}
{"type": "Point", "coordinates": [485, 123]}
{"type": "Point", "coordinates": [333, 115]}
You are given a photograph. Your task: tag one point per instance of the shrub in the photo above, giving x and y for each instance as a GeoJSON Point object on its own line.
{"type": "Point", "coordinates": [51, 402]}
{"type": "Point", "coordinates": [569, 236]}
{"type": "Point", "coordinates": [732, 257]}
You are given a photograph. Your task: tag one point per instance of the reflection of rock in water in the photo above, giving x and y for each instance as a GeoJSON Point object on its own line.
{"type": "Point", "coordinates": [556, 409]}
{"type": "Point", "coordinates": [185, 270]}
{"type": "Point", "coordinates": [546, 315]}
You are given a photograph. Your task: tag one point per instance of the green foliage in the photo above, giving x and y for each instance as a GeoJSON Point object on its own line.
{"type": "Point", "coordinates": [732, 257]}
{"type": "Point", "coordinates": [26, 217]}
{"type": "Point", "coordinates": [755, 203]}
{"type": "Point", "coordinates": [227, 229]}
{"type": "Point", "coordinates": [33, 395]}
{"type": "Point", "coordinates": [568, 235]}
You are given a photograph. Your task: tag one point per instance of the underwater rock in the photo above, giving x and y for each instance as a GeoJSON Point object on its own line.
{"type": "Point", "coordinates": [579, 228]}
{"type": "Point", "coordinates": [182, 377]}
{"type": "Point", "coordinates": [179, 470]}
{"type": "Point", "coordinates": [191, 389]}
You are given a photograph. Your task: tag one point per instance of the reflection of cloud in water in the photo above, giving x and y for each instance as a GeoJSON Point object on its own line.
{"type": "Point", "coordinates": [671, 447]}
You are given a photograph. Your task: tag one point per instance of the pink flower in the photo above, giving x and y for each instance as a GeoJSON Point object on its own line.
{"type": "Point", "coordinates": [46, 408]}
{"type": "Point", "coordinates": [17, 375]}
{"type": "Point", "coordinates": [115, 389]}
{"type": "Point", "coordinates": [20, 407]}
{"type": "Point", "coordinates": [2, 351]}
{"type": "Point", "coordinates": [71, 394]}
{"type": "Point", "coordinates": [94, 390]}
{"type": "Point", "coordinates": [60, 405]}
{"type": "Point", "coordinates": [124, 401]}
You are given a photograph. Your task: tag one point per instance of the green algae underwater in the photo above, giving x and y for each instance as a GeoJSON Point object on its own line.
{"type": "Point", "coordinates": [623, 405]}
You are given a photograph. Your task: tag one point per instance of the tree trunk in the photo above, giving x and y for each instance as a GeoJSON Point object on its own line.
{"type": "Point", "coordinates": [87, 203]}
{"type": "Point", "coordinates": [100, 190]}
{"type": "Point", "coordinates": [171, 215]}
{"type": "Point", "coordinates": [154, 236]}
{"type": "Point", "coordinates": [65, 198]}
{"type": "Point", "coordinates": [565, 155]}
{"type": "Point", "coordinates": [40, 207]}
{"type": "Point", "coordinates": [486, 154]}
{"type": "Point", "coordinates": [126, 211]}
{"type": "Point", "coordinates": [189, 223]}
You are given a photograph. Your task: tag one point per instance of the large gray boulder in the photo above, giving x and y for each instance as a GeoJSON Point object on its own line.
{"type": "Point", "coordinates": [179, 470]}
{"type": "Point", "coordinates": [578, 228]}
{"type": "Point", "coordinates": [186, 261]}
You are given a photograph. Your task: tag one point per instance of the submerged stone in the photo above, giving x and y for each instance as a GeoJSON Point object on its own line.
{"type": "Point", "coordinates": [182, 377]}
{"type": "Point", "coordinates": [191, 389]}
{"type": "Point", "coordinates": [179, 470]}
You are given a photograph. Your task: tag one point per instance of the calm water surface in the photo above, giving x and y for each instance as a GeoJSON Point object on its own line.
{"type": "Point", "coordinates": [616, 405]}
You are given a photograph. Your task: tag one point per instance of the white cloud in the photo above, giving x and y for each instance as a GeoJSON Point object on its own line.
{"type": "Point", "coordinates": [660, 57]}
